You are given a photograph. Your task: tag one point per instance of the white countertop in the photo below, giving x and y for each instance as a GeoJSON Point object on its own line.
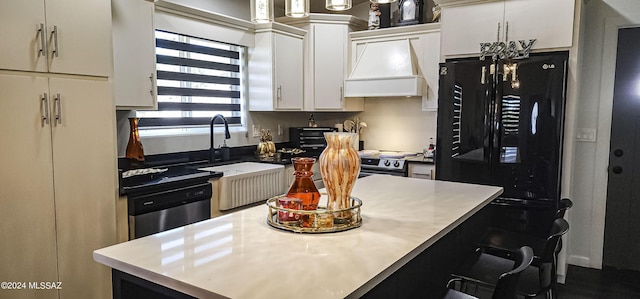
{"type": "Point", "coordinates": [419, 158]}
{"type": "Point", "coordinates": [239, 255]}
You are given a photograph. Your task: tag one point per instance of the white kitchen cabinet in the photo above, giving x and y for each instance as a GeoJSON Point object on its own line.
{"type": "Point", "coordinates": [57, 36]}
{"type": "Point", "coordinates": [464, 27]}
{"type": "Point", "coordinates": [326, 60]}
{"type": "Point", "coordinates": [422, 171]}
{"type": "Point", "coordinates": [134, 55]}
{"type": "Point", "coordinates": [28, 212]}
{"type": "Point", "coordinates": [329, 64]}
{"type": "Point", "coordinates": [276, 63]}
{"type": "Point", "coordinates": [548, 21]}
{"type": "Point", "coordinates": [59, 182]}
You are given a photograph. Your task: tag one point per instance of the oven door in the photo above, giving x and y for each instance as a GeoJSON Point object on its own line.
{"type": "Point", "coordinates": [365, 172]}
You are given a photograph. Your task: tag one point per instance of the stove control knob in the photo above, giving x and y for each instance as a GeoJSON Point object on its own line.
{"type": "Point", "coordinates": [387, 163]}
{"type": "Point", "coordinates": [396, 164]}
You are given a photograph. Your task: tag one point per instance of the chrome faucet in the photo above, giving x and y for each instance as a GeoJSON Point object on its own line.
{"type": "Point", "coordinates": [212, 150]}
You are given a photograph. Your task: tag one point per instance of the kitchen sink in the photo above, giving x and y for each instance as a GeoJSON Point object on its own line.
{"type": "Point", "coordinates": [242, 167]}
{"type": "Point", "coordinates": [247, 182]}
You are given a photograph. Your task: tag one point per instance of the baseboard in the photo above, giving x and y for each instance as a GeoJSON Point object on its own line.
{"type": "Point", "coordinates": [581, 261]}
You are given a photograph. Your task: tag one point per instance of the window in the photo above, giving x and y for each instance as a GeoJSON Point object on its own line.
{"type": "Point", "coordinates": [196, 79]}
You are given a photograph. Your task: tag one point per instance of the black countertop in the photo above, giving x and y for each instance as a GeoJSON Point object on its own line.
{"type": "Point", "coordinates": [182, 168]}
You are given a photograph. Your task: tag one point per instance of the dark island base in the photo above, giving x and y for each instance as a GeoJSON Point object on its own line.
{"type": "Point", "coordinates": [425, 276]}
{"type": "Point", "coordinates": [129, 286]}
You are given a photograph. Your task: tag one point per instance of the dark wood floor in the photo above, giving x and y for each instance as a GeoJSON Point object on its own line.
{"type": "Point", "coordinates": [587, 283]}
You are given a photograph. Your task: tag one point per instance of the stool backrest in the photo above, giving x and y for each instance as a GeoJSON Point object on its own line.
{"type": "Point", "coordinates": [506, 286]}
{"type": "Point", "coordinates": [563, 206]}
{"type": "Point", "coordinates": [559, 228]}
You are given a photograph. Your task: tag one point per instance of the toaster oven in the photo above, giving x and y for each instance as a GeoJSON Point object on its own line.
{"type": "Point", "coordinates": [310, 139]}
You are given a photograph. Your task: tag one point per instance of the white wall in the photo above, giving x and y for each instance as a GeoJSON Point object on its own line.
{"type": "Point", "coordinates": [603, 18]}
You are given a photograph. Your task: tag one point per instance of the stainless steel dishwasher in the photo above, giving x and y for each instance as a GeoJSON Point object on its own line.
{"type": "Point", "coordinates": [162, 201]}
{"type": "Point", "coordinates": [164, 210]}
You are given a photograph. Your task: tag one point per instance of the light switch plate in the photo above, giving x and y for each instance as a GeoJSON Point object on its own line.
{"type": "Point", "coordinates": [586, 134]}
{"type": "Point", "coordinates": [280, 130]}
{"type": "Point", "coordinates": [255, 129]}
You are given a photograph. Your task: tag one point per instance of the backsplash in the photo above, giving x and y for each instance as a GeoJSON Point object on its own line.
{"type": "Point", "coordinates": [393, 124]}
{"type": "Point", "coordinates": [397, 123]}
{"type": "Point", "coordinates": [194, 142]}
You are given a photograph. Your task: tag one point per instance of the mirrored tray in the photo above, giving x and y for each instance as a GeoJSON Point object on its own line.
{"type": "Point", "coordinates": [314, 221]}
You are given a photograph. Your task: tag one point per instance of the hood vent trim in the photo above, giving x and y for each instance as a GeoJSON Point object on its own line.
{"type": "Point", "coordinates": [386, 69]}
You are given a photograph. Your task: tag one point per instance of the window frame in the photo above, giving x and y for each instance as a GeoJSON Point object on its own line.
{"type": "Point", "coordinates": [166, 126]}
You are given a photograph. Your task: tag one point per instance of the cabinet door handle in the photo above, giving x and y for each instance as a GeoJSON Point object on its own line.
{"type": "Point", "coordinates": [42, 51]}
{"type": "Point", "coordinates": [152, 85]}
{"type": "Point", "coordinates": [341, 93]}
{"type": "Point", "coordinates": [54, 34]}
{"type": "Point", "coordinates": [57, 101]}
{"type": "Point", "coordinates": [279, 93]}
{"type": "Point", "coordinates": [44, 101]}
{"type": "Point", "coordinates": [498, 35]}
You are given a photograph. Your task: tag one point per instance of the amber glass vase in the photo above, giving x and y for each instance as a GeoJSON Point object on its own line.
{"type": "Point", "coordinates": [303, 186]}
{"type": "Point", "coordinates": [134, 147]}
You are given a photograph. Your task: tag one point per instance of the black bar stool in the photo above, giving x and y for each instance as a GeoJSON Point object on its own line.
{"type": "Point", "coordinates": [505, 282]}
{"type": "Point", "coordinates": [537, 279]}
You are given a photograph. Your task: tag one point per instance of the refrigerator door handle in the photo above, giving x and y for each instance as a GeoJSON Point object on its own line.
{"type": "Point", "coordinates": [496, 116]}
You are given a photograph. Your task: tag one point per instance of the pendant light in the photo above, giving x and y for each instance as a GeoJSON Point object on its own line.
{"type": "Point", "coordinates": [261, 11]}
{"type": "Point", "coordinates": [338, 4]}
{"type": "Point", "coordinates": [383, 1]}
{"type": "Point", "coordinates": [296, 8]}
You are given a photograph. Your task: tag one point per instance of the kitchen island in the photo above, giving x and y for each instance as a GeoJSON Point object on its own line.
{"type": "Point", "coordinates": [239, 255]}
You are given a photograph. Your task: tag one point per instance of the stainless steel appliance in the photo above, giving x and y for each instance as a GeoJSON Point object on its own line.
{"type": "Point", "coordinates": [165, 200]}
{"type": "Point", "coordinates": [501, 123]}
{"type": "Point", "coordinates": [383, 162]}
{"type": "Point", "coordinates": [310, 139]}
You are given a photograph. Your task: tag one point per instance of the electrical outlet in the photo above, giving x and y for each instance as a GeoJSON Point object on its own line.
{"type": "Point", "coordinates": [280, 130]}
{"type": "Point", "coordinates": [586, 135]}
{"type": "Point", "coordinates": [255, 131]}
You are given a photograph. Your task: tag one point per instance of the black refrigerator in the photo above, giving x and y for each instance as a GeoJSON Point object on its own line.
{"type": "Point", "coordinates": [501, 123]}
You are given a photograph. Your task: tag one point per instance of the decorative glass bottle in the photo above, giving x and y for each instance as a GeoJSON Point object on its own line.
{"type": "Point", "coordinates": [134, 147]}
{"type": "Point", "coordinates": [303, 186]}
{"type": "Point", "coordinates": [340, 166]}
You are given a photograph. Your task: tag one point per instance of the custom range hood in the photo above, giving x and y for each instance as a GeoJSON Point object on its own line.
{"type": "Point", "coordinates": [385, 69]}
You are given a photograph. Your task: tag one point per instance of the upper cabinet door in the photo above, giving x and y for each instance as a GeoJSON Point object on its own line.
{"type": "Point", "coordinates": [523, 18]}
{"type": "Point", "coordinates": [79, 36]}
{"type": "Point", "coordinates": [288, 67]}
{"type": "Point", "coordinates": [134, 63]}
{"type": "Point", "coordinates": [550, 22]}
{"type": "Point", "coordinates": [23, 36]}
{"type": "Point", "coordinates": [75, 39]}
{"type": "Point", "coordinates": [463, 28]}
{"type": "Point", "coordinates": [329, 64]}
